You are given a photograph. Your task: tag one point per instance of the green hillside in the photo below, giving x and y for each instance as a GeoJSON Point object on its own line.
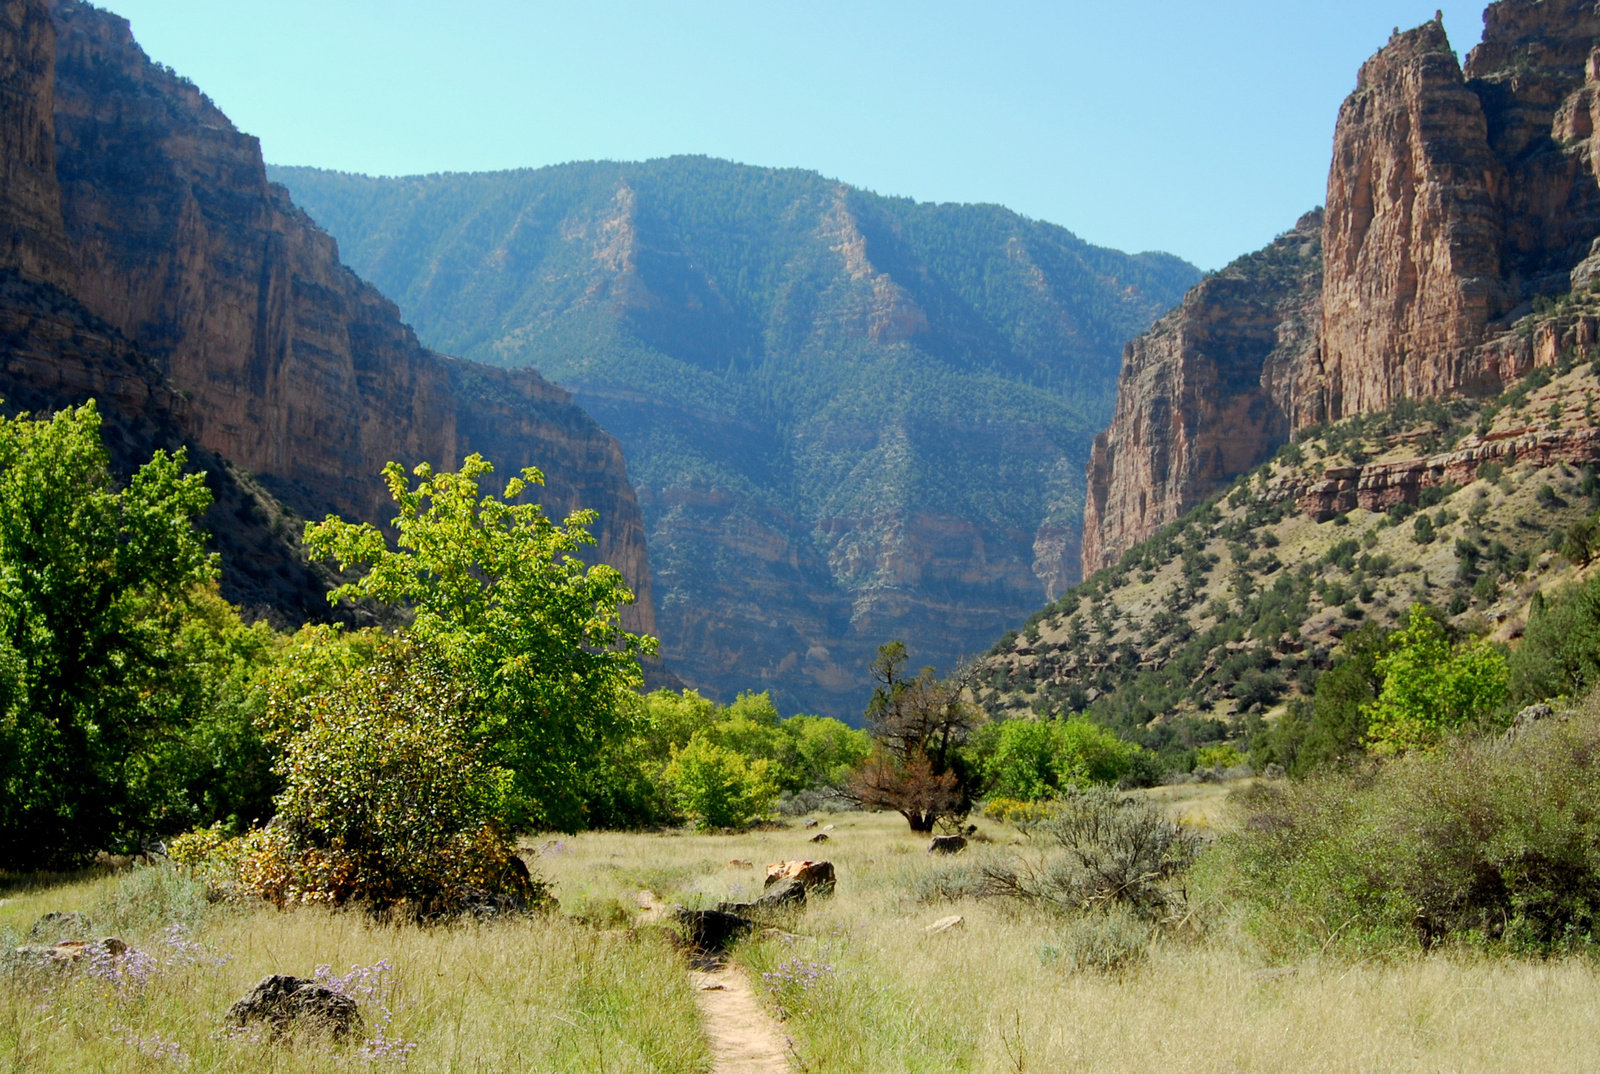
{"type": "Point", "coordinates": [849, 417]}
{"type": "Point", "coordinates": [1228, 626]}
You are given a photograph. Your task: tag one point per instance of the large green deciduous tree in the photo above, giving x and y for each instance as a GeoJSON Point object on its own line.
{"type": "Point", "coordinates": [500, 594]}
{"type": "Point", "coordinates": [94, 584]}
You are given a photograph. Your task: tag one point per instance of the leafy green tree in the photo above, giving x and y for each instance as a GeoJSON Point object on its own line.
{"type": "Point", "coordinates": [821, 752]}
{"type": "Point", "coordinates": [1032, 760]}
{"type": "Point", "coordinates": [499, 592]}
{"type": "Point", "coordinates": [1560, 651]}
{"type": "Point", "coordinates": [217, 768]}
{"type": "Point", "coordinates": [718, 786]}
{"type": "Point", "coordinates": [94, 584]}
{"type": "Point", "coordinates": [1431, 687]}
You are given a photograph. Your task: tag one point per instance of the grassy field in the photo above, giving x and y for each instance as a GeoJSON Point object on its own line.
{"type": "Point", "coordinates": [857, 980]}
{"type": "Point", "coordinates": [863, 987]}
{"type": "Point", "coordinates": [540, 995]}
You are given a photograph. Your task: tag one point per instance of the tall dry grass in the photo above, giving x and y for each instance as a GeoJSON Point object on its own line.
{"type": "Point", "coordinates": [864, 988]}
{"type": "Point", "coordinates": [859, 984]}
{"type": "Point", "coordinates": [541, 994]}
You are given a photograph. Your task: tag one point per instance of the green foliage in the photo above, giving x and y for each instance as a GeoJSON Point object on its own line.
{"type": "Point", "coordinates": [630, 785]}
{"type": "Point", "coordinates": [1560, 651]}
{"type": "Point", "coordinates": [1483, 842]}
{"type": "Point", "coordinates": [94, 586]}
{"type": "Point", "coordinates": [217, 765]}
{"type": "Point", "coordinates": [1431, 688]}
{"type": "Point", "coordinates": [389, 797]}
{"type": "Point", "coordinates": [718, 786]}
{"type": "Point", "coordinates": [1030, 760]}
{"type": "Point", "coordinates": [499, 592]}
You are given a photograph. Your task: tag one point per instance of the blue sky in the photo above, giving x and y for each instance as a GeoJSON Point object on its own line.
{"type": "Point", "coordinates": [1199, 128]}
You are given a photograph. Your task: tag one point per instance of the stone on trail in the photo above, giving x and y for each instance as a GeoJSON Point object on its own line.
{"type": "Point", "coordinates": [947, 844]}
{"type": "Point", "coordinates": [945, 924]}
{"type": "Point", "coordinates": [284, 1002]}
{"type": "Point", "coordinates": [712, 930]}
{"type": "Point", "coordinates": [813, 874]}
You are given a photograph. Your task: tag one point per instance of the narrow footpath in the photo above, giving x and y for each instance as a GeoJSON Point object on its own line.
{"type": "Point", "coordinates": [744, 1038]}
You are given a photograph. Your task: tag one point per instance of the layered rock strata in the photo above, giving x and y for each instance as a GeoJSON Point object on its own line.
{"type": "Point", "coordinates": [1213, 389]}
{"type": "Point", "coordinates": [287, 365]}
{"type": "Point", "coordinates": [1457, 196]}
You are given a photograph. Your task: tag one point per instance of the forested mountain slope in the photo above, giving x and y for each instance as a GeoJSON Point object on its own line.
{"type": "Point", "coordinates": [850, 418]}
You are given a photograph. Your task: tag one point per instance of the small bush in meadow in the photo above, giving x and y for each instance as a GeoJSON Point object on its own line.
{"type": "Point", "coordinates": [1110, 942]}
{"type": "Point", "coordinates": [1097, 850]}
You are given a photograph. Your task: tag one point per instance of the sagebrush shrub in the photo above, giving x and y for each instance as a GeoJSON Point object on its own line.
{"type": "Point", "coordinates": [1097, 850]}
{"type": "Point", "coordinates": [1490, 841]}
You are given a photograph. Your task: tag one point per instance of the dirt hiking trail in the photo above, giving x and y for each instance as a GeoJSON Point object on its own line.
{"type": "Point", "coordinates": [744, 1038]}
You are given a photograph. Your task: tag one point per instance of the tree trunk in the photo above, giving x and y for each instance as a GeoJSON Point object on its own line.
{"type": "Point", "coordinates": [920, 822]}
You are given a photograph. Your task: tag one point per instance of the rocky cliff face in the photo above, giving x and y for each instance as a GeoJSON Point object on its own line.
{"type": "Point", "coordinates": [1456, 197]}
{"type": "Point", "coordinates": [1213, 389]}
{"type": "Point", "coordinates": [158, 270]}
{"type": "Point", "coordinates": [31, 236]}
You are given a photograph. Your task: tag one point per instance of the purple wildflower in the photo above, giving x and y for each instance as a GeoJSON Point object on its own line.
{"type": "Point", "coordinates": [372, 986]}
{"type": "Point", "coordinates": [155, 1045]}
{"type": "Point", "coordinates": [127, 972]}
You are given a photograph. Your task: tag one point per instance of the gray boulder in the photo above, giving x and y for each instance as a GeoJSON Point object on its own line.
{"type": "Point", "coordinates": [283, 1003]}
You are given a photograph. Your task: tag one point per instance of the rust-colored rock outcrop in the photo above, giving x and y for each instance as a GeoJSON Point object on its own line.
{"type": "Point", "coordinates": [1213, 389]}
{"type": "Point", "coordinates": [1457, 196]}
{"type": "Point", "coordinates": [133, 197]}
{"type": "Point", "coordinates": [1413, 232]}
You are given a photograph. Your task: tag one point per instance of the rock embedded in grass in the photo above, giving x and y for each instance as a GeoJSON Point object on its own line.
{"type": "Point", "coordinates": [815, 875]}
{"type": "Point", "coordinates": [284, 1002]}
{"type": "Point", "coordinates": [66, 952]}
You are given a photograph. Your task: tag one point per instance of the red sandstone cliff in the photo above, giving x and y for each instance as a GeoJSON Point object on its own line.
{"type": "Point", "coordinates": [1455, 197]}
{"type": "Point", "coordinates": [127, 192]}
{"type": "Point", "coordinates": [1213, 389]}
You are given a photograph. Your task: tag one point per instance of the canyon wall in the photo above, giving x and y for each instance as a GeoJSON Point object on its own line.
{"type": "Point", "coordinates": [1213, 389]}
{"type": "Point", "coordinates": [1457, 196]}
{"type": "Point", "coordinates": [150, 264]}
